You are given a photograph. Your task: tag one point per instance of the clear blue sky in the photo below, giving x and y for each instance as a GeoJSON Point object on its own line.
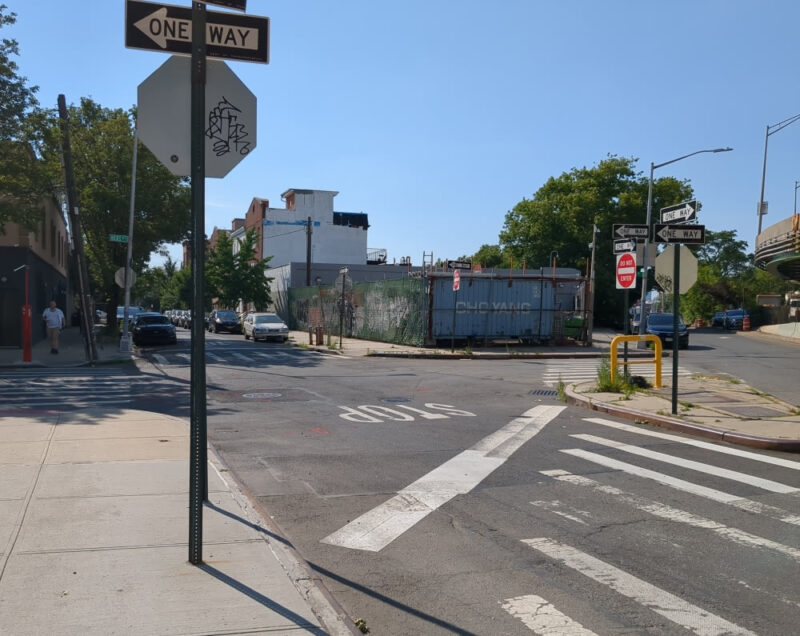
{"type": "Point", "coordinates": [436, 117]}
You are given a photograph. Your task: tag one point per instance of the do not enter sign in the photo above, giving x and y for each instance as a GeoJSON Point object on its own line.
{"type": "Point", "coordinates": [626, 270]}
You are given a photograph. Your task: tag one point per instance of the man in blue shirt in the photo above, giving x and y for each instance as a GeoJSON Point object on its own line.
{"type": "Point", "coordinates": [54, 319]}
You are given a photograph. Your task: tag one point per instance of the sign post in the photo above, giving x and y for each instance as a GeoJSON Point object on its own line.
{"type": "Point", "coordinates": [678, 233]}
{"type": "Point", "coordinates": [456, 287]}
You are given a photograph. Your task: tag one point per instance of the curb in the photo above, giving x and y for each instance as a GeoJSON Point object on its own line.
{"type": "Point", "coordinates": [325, 607]}
{"type": "Point", "coordinates": [681, 426]}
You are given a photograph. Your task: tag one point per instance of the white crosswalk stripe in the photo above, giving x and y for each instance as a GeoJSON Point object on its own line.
{"type": "Point", "coordinates": [542, 618]}
{"type": "Point", "coordinates": [691, 617]}
{"type": "Point", "coordinates": [583, 370]}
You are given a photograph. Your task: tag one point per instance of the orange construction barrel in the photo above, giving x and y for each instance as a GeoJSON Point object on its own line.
{"type": "Point", "coordinates": [746, 323]}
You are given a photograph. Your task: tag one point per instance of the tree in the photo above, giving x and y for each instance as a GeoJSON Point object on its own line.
{"type": "Point", "coordinates": [102, 148]}
{"type": "Point", "coordinates": [222, 277]}
{"type": "Point", "coordinates": [23, 182]}
{"type": "Point", "coordinates": [255, 289]}
{"type": "Point", "coordinates": [490, 256]}
{"type": "Point", "coordinates": [560, 216]}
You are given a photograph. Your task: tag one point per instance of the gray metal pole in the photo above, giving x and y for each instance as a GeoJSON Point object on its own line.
{"type": "Point", "coordinates": [676, 308]}
{"type": "Point", "coordinates": [124, 341]}
{"type": "Point", "coordinates": [763, 179]}
{"type": "Point", "coordinates": [590, 327]}
{"type": "Point", "coordinates": [643, 302]}
{"type": "Point", "coordinates": [198, 463]}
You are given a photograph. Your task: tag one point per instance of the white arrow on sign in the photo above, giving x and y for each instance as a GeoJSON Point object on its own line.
{"type": "Point", "coordinates": [624, 245]}
{"type": "Point", "coordinates": [625, 231]}
{"type": "Point", "coordinates": [160, 28]}
{"type": "Point", "coordinates": [681, 212]}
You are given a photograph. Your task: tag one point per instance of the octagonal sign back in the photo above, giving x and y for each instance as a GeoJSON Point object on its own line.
{"type": "Point", "coordinates": [164, 117]}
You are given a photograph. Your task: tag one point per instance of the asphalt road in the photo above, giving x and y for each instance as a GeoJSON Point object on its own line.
{"type": "Point", "coordinates": [463, 497]}
{"type": "Point", "coordinates": [438, 497]}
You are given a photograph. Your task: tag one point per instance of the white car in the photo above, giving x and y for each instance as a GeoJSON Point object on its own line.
{"type": "Point", "coordinates": [263, 326]}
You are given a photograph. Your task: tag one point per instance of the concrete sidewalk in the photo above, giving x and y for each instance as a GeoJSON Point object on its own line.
{"type": "Point", "coordinates": [94, 528]}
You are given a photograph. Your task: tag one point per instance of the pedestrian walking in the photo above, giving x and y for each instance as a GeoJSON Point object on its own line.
{"type": "Point", "coordinates": [53, 318]}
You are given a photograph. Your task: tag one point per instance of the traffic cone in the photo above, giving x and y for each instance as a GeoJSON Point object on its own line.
{"type": "Point", "coordinates": [746, 323]}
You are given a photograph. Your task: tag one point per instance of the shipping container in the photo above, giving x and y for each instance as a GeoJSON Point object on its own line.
{"type": "Point", "coordinates": [489, 307]}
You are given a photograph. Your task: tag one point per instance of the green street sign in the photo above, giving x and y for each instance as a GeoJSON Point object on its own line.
{"type": "Point", "coordinates": [118, 238]}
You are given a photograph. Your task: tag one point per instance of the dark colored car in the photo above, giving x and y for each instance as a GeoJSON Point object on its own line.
{"type": "Point", "coordinates": [224, 320]}
{"type": "Point", "coordinates": [153, 328]}
{"type": "Point", "coordinates": [661, 325]}
{"type": "Point", "coordinates": [734, 318]}
{"type": "Point", "coordinates": [718, 320]}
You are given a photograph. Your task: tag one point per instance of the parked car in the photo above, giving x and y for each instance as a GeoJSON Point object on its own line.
{"type": "Point", "coordinates": [100, 317]}
{"type": "Point", "coordinates": [734, 318]}
{"type": "Point", "coordinates": [153, 328]}
{"type": "Point", "coordinates": [718, 320]}
{"type": "Point", "coordinates": [224, 320]}
{"type": "Point", "coordinates": [661, 325]}
{"type": "Point", "coordinates": [264, 326]}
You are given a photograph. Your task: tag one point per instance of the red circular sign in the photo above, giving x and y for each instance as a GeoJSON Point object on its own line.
{"type": "Point", "coordinates": [626, 271]}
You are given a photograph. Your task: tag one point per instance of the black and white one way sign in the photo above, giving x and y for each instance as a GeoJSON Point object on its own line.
{"type": "Point", "coordinates": [168, 28]}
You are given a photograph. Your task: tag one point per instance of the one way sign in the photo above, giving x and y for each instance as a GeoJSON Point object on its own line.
{"type": "Point", "coordinates": [686, 211]}
{"type": "Point", "coordinates": [168, 28]}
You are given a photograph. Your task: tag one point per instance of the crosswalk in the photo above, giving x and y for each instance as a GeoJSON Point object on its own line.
{"type": "Point", "coordinates": [220, 352]}
{"type": "Point", "coordinates": [85, 387]}
{"type": "Point", "coordinates": [573, 370]}
{"type": "Point", "coordinates": [721, 500]}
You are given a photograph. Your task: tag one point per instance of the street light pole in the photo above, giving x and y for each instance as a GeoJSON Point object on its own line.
{"type": "Point", "coordinates": [771, 130]}
{"type": "Point", "coordinates": [653, 167]}
{"type": "Point", "coordinates": [796, 185]}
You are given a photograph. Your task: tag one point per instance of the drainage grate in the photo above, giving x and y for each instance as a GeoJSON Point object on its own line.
{"type": "Point", "coordinates": [544, 392]}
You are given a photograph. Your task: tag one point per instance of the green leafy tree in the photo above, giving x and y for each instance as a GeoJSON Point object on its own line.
{"type": "Point", "coordinates": [490, 256]}
{"type": "Point", "coordinates": [560, 216]}
{"type": "Point", "coordinates": [222, 277]}
{"type": "Point", "coordinates": [102, 148]}
{"type": "Point", "coordinates": [23, 182]}
{"type": "Point", "coordinates": [255, 288]}
{"type": "Point", "coordinates": [177, 293]}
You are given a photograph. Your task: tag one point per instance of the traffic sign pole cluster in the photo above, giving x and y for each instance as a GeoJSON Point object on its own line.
{"type": "Point", "coordinates": [231, 131]}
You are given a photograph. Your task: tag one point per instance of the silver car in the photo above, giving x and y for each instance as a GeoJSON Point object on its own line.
{"type": "Point", "coordinates": [263, 326]}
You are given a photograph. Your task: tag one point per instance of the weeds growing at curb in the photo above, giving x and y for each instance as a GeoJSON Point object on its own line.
{"type": "Point", "coordinates": [620, 383]}
{"type": "Point", "coordinates": [561, 389]}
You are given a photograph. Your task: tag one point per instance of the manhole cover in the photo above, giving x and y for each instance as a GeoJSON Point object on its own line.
{"type": "Point", "coordinates": [261, 396]}
{"type": "Point", "coordinates": [395, 400]}
{"type": "Point", "coordinates": [544, 392]}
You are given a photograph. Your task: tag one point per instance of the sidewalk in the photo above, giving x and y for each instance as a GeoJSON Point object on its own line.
{"type": "Point", "coordinates": [94, 531]}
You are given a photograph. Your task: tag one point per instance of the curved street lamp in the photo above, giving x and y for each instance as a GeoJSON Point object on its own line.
{"type": "Point", "coordinates": [771, 130]}
{"type": "Point", "coordinates": [653, 166]}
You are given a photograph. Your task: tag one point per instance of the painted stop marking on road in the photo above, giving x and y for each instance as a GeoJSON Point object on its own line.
{"type": "Point", "coordinates": [626, 270]}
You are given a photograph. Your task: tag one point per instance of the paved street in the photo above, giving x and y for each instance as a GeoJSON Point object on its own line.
{"type": "Point", "coordinates": [445, 496]}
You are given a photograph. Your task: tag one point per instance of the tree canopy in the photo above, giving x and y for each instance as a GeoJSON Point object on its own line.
{"type": "Point", "coordinates": [22, 181]}
{"type": "Point", "coordinates": [560, 216]}
{"type": "Point", "coordinates": [102, 149]}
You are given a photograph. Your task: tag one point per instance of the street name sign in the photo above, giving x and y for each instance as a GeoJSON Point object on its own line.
{"type": "Point", "coordinates": [692, 234]}
{"type": "Point", "coordinates": [118, 238]}
{"type": "Point", "coordinates": [624, 245]}
{"type": "Point", "coordinates": [626, 270]}
{"type": "Point", "coordinates": [459, 265]}
{"type": "Point", "coordinates": [168, 28]}
{"type": "Point", "coordinates": [230, 120]}
{"type": "Point", "coordinates": [686, 211]}
{"type": "Point", "coordinates": [626, 230]}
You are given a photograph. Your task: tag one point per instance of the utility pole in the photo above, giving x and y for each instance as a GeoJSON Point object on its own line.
{"type": "Point", "coordinates": [308, 252]}
{"type": "Point", "coordinates": [75, 230]}
{"type": "Point", "coordinates": [124, 342]}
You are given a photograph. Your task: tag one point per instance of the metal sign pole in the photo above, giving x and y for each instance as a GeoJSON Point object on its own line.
{"type": "Point", "coordinates": [676, 286]}
{"type": "Point", "coordinates": [198, 463]}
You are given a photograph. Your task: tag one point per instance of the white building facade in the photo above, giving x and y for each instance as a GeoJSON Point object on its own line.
{"type": "Point", "coordinates": [336, 237]}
